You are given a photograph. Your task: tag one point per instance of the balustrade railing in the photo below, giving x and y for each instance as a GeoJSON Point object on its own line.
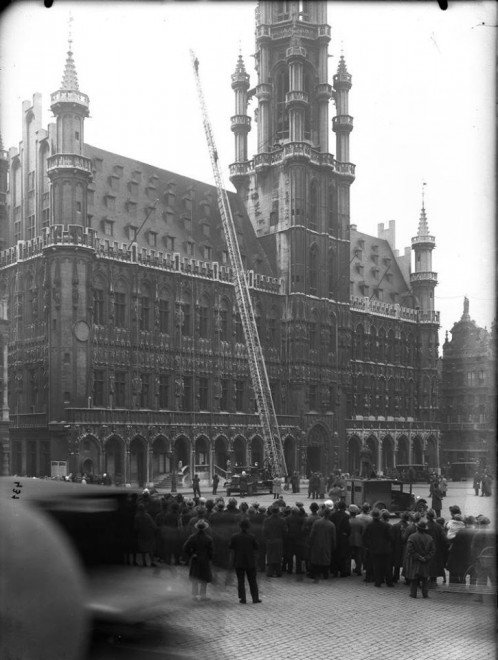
{"type": "Point", "coordinates": [69, 161]}
{"type": "Point", "coordinates": [393, 311]}
{"type": "Point", "coordinates": [69, 96]}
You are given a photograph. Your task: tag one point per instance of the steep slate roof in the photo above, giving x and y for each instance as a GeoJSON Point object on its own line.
{"type": "Point", "coordinates": [186, 211]}
{"type": "Point", "coordinates": [373, 265]}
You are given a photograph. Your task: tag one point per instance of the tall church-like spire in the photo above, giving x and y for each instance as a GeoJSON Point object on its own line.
{"type": "Point", "coordinates": [69, 164]}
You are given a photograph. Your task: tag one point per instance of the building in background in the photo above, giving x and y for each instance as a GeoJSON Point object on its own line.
{"type": "Point", "coordinates": [468, 396]}
{"type": "Point", "coordinates": [126, 352]}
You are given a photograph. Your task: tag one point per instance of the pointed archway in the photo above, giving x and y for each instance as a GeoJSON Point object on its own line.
{"type": "Point", "coordinates": [290, 454]}
{"type": "Point", "coordinates": [354, 461]}
{"type": "Point", "coordinates": [114, 464]}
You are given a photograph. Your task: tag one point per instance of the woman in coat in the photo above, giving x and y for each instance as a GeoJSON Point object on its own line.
{"type": "Point", "coordinates": [419, 552]}
{"type": "Point", "coordinates": [145, 529]}
{"type": "Point", "coordinates": [199, 548]}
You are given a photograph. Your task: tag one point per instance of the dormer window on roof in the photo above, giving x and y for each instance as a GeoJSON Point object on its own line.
{"type": "Point", "coordinates": [98, 164]}
{"type": "Point", "coordinates": [169, 243]}
{"type": "Point", "coordinates": [387, 261]}
{"type": "Point", "coordinates": [114, 182]}
{"type": "Point", "coordinates": [374, 271]}
{"type": "Point", "coordinates": [361, 243]}
{"type": "Point", "coordinates": [375, 258]}
{"type": "Point", "coordinates": [133, 188]}
{"type": "Point", "coordinates": [118, 170]}
{"type": "Point", "coordinates": [131, 231]}
{"type": "Point", "coordinates": [168, 215]}
{"type": "Point", "coordinates": [110, 201]}
{"type": "Point", "coordinates": [131, 207]}
{"type": "Point", "coordinates": [136, 175]}
{"type": "Point", "coordinates": [359, 268]}
{"type": "Point", "coordinates": [358, 253]}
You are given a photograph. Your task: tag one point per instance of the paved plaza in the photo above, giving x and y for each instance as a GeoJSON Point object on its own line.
{"type": "Point", "coordinates": [337, 618]}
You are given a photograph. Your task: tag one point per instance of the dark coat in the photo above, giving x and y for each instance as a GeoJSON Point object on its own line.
{"type": "Point", "coordinates": [399, 543]}
{"type": "Point", "coordinates": [274, 532]}
{"type": "Point", "coordinates": [438, 561]}
{"type": "Point", "coordinates": [437, 498]}
{"type": "Point", "coordinates": [419, 552]}
{"type": "Point", "coordinates": [322, 542]}
{"type": "Point", "coordinates": [146, 529]}
{"type": "Point", "coordinates": [343, 531]}
{"type": "Point", "coordinates": [244, 546]}
{"type": "Point", "coordinates": [199, 548]}
{"type": "Point", "coordinates": [377, 537]}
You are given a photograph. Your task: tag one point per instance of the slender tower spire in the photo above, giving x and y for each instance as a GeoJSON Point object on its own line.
{"type": "Point", "coordinates": [241, 122]}
{"type": "Point", "coordinates": [423, 280]}
{"type": "Point", "coordinates": [342, 123]}
{"type": "Point", "coordinates": [70, 107]}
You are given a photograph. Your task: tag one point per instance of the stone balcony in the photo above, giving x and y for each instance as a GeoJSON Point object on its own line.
{"type": "Point", "coordinates": [424, 240]}
{"type": "Point", "coordinates": [241, 122]}
{"type": "Point", "coordinates": [69, 96]}
{"type": "Point", "coordinates": [69, 162]}
{"type": "Point", "coordinates": [342, 123]}
{"type": "Point", "coordinates": [296, 97]}
{"type": "Point", "coordinates": [423, 277]}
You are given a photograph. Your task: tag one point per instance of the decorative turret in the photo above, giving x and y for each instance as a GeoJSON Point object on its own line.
{"type": "Point", "coordinates": [69, 167]}
{"type": "Point", "coordinates": [241, 122]}
{"type": "Point", "coordinates": [342, 123]}
{"type": "Point", "coordinates": [423, 280]}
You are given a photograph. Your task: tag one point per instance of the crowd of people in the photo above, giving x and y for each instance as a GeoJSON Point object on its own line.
{"type": "Point", "coordinates": [329, 539]}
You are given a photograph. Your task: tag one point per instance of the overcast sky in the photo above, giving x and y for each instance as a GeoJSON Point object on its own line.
{"type": "Point", "coordinates": [423, 101]}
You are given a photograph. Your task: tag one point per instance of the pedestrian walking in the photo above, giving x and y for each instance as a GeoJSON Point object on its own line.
{"type": "Point", "coordinates": [277, 487]}
{"type": "Point", "coordinates": [243, 484]}
{"type": "Point", "coordinates": [487, 481]}
{"type": "Point", "coordinates": [216, 481]}
{"type": "Point", "coordinates": [437, 498]}
{"type": "Point", "coordinates": [244, 548]}
{"type": "Point", "coordinates": [199, 549]}
{"type": "Point", "coordinates": [419, 551]}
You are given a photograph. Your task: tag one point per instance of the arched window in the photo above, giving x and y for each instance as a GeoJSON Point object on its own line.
{"type": "Point", "coordinates": [332, 211]}
{"type": "Point", "coordinates": [358, 342]}
{"type": "Point", "coordinates": [99, 315]}
{"type": "Point", "coordinates": [313, 266]}
{"type": "Point", "coordinates": [204, 318]}
{"type": "Point", "coordinates": [186, 327]}
{"type": "Point", "coordinates": [145, 308]}
{"type": "Point", "coordinates": [390, 348]}
{"type": "Point", "coordinates": [382, 345]}
{"type": "Point", "coordinates": [224, 320]}
{"type": "Point", "coordinates": [164, 311]}
{"type": "Point", "coordinates": [313, 223]}
{"type": "Point", "coordinates": [313, 331]}
{"type": "Point", "coordinates": [373, 344]}
{"type": "Point", "coordinates": [281, 118]}
{"type": "Point", "coordinates": [120, 305]}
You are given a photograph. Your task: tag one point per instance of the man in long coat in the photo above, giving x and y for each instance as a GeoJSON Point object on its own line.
{"type": "Point", "coordinates": [377, 540]}
{"type": "Point", "coordinates": [322, 543]}
{"type": "Point", "coordinates": [341, 558]}
{"type": "Point", "coordinates": [419, 551]}
{"type": "Point", "coordinates": [199, 547]}
{"type": "Point", "coordinates": [244, 547]}
{"type": "Point", "coordinates": [274, 531]}
{"type": "Point", "coordinates": [438, 561]}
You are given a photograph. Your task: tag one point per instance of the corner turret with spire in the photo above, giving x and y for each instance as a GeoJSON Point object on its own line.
{"type": "Point", "coordinates": [69, 166]}
{"type": "Point", "coordinates": [423, 280]}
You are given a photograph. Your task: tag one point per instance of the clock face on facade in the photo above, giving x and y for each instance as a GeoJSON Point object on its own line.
{"type": "Point", "coordinates": [81, 331]}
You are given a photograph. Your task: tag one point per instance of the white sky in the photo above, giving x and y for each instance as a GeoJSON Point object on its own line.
{"type": "Point", "coordinates": [423, 101]}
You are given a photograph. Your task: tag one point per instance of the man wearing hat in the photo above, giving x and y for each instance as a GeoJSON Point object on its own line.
{"type": "Point", "coordinates": [199, 548]}
{"type": "Point", "coordinates": [274, 532]}
{"type": "Point", "coordinates": [244, 547]}
{"type": "Point", "coordinates": [377, 540]}
{"type": "Point", "coordinates": [419, 551]}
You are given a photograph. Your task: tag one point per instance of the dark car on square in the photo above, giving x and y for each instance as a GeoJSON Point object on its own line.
{"type": "Point", "coordinates": [258, 483]}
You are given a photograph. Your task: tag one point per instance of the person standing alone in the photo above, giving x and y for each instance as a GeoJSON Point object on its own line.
{"type": "Point", "coordinates": [244, 547]}
{"type": "Point", "coordinates": [420, 550]}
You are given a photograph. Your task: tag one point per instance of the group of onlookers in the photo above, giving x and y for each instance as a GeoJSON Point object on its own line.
{"type": "Point", "coordinates": [483, 482]}
{"type": "Point", "coordinates": [328, 539]}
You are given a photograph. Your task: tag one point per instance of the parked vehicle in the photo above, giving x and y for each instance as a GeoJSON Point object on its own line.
{"type": "Point", "coordinates": [380, 493]}
{"type": "Point", "coordinates": [418, 471]}
{"type": "Point", "coordinates": [258, 483]}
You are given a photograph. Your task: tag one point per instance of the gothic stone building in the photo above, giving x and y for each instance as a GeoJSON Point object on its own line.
{"type": "Point", "coordinates": [125, 349]}
{"type": "Point", "coordinates": [468, 397]}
